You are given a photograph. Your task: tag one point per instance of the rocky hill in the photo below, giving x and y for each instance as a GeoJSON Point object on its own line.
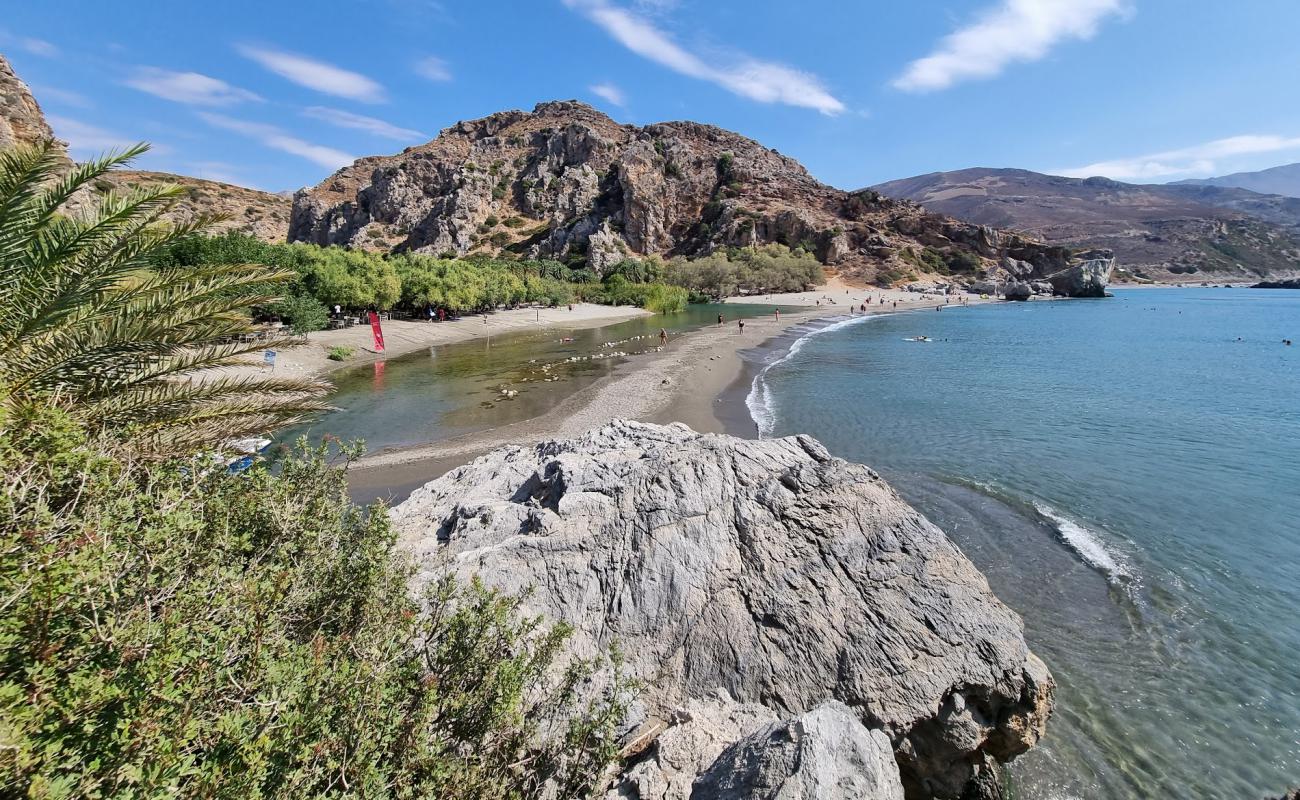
{"type": "Point", "coordinates": [1283, 180]}
{"type": "Point", "coordinates": [797, 629]}
{"type": "Point", "coordinates": [1161, 232]}
{"type": "Point", "coordinates": [259, 213]}
{"type": "Point", "coordinates": [565, 181]}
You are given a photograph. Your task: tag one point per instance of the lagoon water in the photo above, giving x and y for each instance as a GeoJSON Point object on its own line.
{"type": "Point", "coordinates": [1126, 472]}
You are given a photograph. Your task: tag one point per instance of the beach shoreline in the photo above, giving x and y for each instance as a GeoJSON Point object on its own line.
{"type": "Point", "coordinates": [694, 380]}
{"type": "Point", "coordinates": [311, 358]}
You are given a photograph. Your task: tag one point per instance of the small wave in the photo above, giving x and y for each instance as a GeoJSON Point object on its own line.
{"type": "Point", "coordinates": [1089, 545]}
{"type": "Point", "coordinates": [759, 400]}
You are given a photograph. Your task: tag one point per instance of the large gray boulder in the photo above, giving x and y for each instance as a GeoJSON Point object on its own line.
{"type": "Point", "coordinates": [767, 569]}
{"type": "Point", "coordinates": [1086, 278]}
{"type": "Point", "coordinates": [825, 754]}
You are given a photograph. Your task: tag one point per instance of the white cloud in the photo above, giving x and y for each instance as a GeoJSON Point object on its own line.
{"type": "Point", "coordinates": [1016, 30]}
{"type": "Point", "coordinates": [377, 127]}
{"type": "Point", "coordinates": [64, 96]}
{"type": "Point", "coordinates": [273, 137]}
{"type": "Point", "coordinates": [610, 92]}
{"type": "Point", "coordinates": [191, 88]}
{"type": "Point", "coordinates": [38, 47]}
{"type": "Point", "coordinates": [316, 75]}
{"type": "Point", "coordinates": [1198, 159]}
{"type": "Point", "coordinates": [764, 81]}
{"type": "Point", "coordinates": [217, 171]}
{"type": "Point", "coordinates": [86, 140]}
{"type": "Point", "coordinates": [433, 68]}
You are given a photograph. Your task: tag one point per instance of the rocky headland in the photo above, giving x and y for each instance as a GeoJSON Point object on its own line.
{"type": "Point", "coordinates": [799, 630]}
{"type": "Point", "coordinates": [565, 181]}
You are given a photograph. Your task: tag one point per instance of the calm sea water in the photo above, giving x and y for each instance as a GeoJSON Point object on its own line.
{"type": "Point", "coordinates": [1126, 472]}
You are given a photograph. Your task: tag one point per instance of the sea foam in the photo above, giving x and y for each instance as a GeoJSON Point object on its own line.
{"type": "Point", "coordinates": [1089, 545]}
{"type": "Point", "coordinates": [759, 400]}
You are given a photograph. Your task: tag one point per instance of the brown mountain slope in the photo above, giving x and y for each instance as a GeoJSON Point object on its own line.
{"type": "Point", "coordinates": [1169, 233]}
{"type": "Point", "coordinates": [257, 213]}
{"type": "Point", "coordinates": [261, 214]}
{"type": "Point", "coordinates": [565, 181]}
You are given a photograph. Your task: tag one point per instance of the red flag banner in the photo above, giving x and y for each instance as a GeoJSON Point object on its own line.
{"type": "Point", "coordinates": [377, 331]}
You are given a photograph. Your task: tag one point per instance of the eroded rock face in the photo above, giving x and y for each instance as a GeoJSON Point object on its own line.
{"type": "Point", "coordinates": [21, 119]}
{"type": "Point", "coordinates": [767, 569]}
{"type": "Point", "coordinates": [825, 754]}
{"type": "Point", "coordinates": [1085, 279]}
{"type": "Point", "coordinates": [575, 184]}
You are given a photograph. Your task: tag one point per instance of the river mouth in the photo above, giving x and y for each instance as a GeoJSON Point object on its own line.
{"type": "Point", "coordinates": [452, 391]}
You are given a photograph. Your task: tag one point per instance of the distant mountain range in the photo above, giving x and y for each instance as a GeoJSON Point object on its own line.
{"type": "Point", "coordinates": [1163, 232]}
{"type": "Point", "coordinates": [1283, 180]}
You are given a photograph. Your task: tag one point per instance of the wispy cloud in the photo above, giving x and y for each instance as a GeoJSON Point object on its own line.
{"type": "Point", "coordinates": [609, 92]}
{"type": "Point", "coordinates": [377, 127]}
{"type": "Point", "coordinates": [86, 140]}
{"type": "Point", "coordinates": [1198, 159]}
{"type": "Point", "coordinates": [316, 75]}
{"type": "Point", "coordinates": [64, 96]}
{"type": "Point", "coordinates": [1016, 30]}
{"type": "Point", "coordinates": [191, 88]}
{"type": "Point", "coordinates": [217, 171]}
{"type": "Point", "coordinates": [433, 68]}
{"type": "Point", "coordinates": [273, 137]}
{"type": "Point", "coordinates": [37, 47]}
{"type": "Point", "coordinates": [764, 81]}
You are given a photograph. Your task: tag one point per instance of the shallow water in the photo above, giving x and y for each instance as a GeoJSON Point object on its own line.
{"type": "Point", "coordinates": [1125, 471]}
{"type": "Point", "coordinates": [450, 390]}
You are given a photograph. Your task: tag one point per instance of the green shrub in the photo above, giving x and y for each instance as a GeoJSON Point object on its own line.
{"type": "Point", "coordinates": [340, 352]}
{"type": "Point", "coordinates": [491, 221]}
{"type": "Point", "coordinates": [302, 313]}
{"type": "Point", "coordinates": [514, 222]}
{"type": "Point", "coordinates": [663, 299]}
{"type": "Point", "coordinates": [177, 632]}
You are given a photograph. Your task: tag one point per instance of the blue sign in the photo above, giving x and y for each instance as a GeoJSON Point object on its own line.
{"type": "Point", "coordinates": [269, 357]}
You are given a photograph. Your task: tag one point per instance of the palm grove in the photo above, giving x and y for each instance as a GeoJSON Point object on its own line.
{"type": "Point", "coordinates": [168, 628]}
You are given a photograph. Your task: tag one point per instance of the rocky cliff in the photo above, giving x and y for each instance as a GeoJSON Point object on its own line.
{"type": "Point", "coordinates": [261, 214]}
{"type": "Point", "coordinates": [565, 181]}
{"type": "Point", "coordinates": [1170, 233]}
{"type": "Point", "coordinates": [795, 623]}
{"type": "Point", "coordinates": [21, 120]}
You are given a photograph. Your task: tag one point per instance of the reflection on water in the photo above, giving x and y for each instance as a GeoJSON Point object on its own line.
{"type": "Point", "coordinates": [492, 380]}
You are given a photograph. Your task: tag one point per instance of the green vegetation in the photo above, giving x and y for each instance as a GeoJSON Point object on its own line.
{"type": "Point", "coordinates": [84, 319]}
{"type": "Point", "coordinates": [663, 299]}
{"type": "Point", "coordinates": [340, 352]}
{"type": "Point", "coordinates": [178, 632]}
{"type": "Point", "coordinates": [769, 268]}
{"type": "Point", "coordinates": [172, 629]}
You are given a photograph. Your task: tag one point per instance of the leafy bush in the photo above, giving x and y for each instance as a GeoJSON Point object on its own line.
{"type": "Point", "coordinates": [663, 299]}
{"type": "Point", "coordinates": [340, 352]}
{"type": "Point", "coordinates": [170, 631]}
{"type": "Point", "coordinates": [771, 268]}
{"type": "Point", "coordinates": [302, 313]}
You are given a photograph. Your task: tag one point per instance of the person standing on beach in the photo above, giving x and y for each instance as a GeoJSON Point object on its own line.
{"type": "Point", "coordinates": [777, 311]}
{"type": "Point", "coordinates": [719, 320]}
{"type": "Point", "coordinates": [663, 337]}
{"type": "Point", "coordinates": [741, 323]}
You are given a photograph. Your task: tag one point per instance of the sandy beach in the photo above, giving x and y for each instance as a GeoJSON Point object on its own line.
{"type": "Point", "coordinates": [685, 382]}
{"type": "Point", "coordinates": [405, 336]}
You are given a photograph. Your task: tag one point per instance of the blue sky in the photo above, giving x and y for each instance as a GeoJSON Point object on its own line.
{"type": "Point", "coordinates": [277, 95]}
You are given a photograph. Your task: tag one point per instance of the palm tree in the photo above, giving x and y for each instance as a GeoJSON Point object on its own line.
{"type": "Point", "coordinates": [87, 323]}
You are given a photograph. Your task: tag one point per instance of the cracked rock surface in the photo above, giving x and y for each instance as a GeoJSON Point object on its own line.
{"type": "Point", "coordinates": [749, 575]}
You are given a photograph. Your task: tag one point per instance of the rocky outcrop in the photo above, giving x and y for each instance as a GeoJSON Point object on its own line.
{"type": "Point", "coordinates": [565, 181]}
{"type": "Point", "coordinates": [1293, 284]}
{"type": "Point", "coordinates": [21, 119]}
{"type": "Point", "coordinates": [1085, 279]}
{"type": "Point", "coordinates": [1017, 291]}
{"type": "Point", "coordinates": [766, 569]}
{"type": "Point", "coordinates": [825, 754]}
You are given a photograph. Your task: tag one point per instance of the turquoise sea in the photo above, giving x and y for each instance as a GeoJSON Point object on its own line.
{"type": "Point", "coordinates": [1126, 472]}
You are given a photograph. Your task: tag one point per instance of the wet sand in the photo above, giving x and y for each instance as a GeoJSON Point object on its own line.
{"type": "Point", "coordinates": [699, 379]}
